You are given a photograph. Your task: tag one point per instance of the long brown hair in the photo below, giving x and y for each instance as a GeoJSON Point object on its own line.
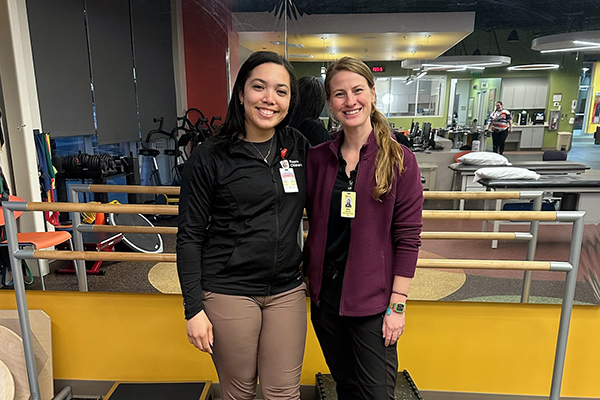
{"type": "Point", "coordinates": [390, 155]}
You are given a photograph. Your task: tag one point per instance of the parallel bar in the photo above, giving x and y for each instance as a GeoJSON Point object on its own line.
{"type": "Point", "coordinates": [172, 257]}
{"type": "Point", "coordinates": [80, 269]}
{"type": "Point", "coordinates": [531, 248]}
{"type": "Point", "coordinates": [441, 195]}
{"type": "Point", "coordinates": [105, 208]}
{"type": "Point", "coordinates": [476, 235]}
{"type": "Point", "coordinates": [171, 190]}
{"type": "Point", "coordinates": [169, 230]}
{"type": "Point", "coordinates": [103, 255]}
{"type": "Point", "coordinates": [483, 264]}
{"type": "Point", "coordinates": [567, 308]}
{"type": "Point", "coordinates": [561, 266]}
{"type": "Point", "coordinates": [19, 287]}
{"type": "Point", "coordinates": [492, 215]}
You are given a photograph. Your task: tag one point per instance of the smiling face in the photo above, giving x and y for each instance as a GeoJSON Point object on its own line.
{"type": "Point", "coordinates": [266, 100]}
{"type": "Point", "coordinates": [351, 100]}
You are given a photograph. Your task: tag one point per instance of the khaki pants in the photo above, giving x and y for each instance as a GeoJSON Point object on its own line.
{"type": "Point", "coordinates": [258, 337]}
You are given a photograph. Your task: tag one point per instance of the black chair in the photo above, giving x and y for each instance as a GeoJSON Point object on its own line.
{"type": "Point", "coordinates": [554, 155]}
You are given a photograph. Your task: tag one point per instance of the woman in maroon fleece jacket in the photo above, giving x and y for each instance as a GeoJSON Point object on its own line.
{"type": "Point", "coordinates": [360, 259]}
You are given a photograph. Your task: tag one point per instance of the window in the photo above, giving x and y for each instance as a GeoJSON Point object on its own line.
{"type": "Point", "coordinates": [425, 96]}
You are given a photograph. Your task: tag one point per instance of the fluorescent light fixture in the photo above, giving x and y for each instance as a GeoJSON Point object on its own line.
{"type": "Point", "coordinates": [410, 80]}
{"type": "Point", "coordinates": [301, 55]}
{"type": "Point", "coordinates": [421, 74]}
{"type": "Point", "coordinates": [571, 49]}
{"type": "Point", "coordinates": [583, 42]}
{"type": "Point", "coordinates": [533, 67]}
{"type": "Point", "coordinates": [584, 46]}
{"type": "Point", "coordinates": [278, 43]}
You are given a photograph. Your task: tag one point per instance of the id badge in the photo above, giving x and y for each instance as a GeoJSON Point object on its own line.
{"type": "Point", "coordinates": [348, 204]}
{"type": "Point", "coordinates": [289, 180]}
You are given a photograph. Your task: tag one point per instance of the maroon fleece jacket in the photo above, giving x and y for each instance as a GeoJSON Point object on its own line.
{"type": "Point", "coordinates": [385, 235]}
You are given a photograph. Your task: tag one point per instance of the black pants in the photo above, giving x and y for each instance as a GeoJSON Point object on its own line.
{"type": "Point", "coordinates": [498, 140]}
{"type": "Point", "coordinates": [362, 367]}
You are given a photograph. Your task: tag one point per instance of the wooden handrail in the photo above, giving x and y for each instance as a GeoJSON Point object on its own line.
{"type": "Point", "coordinates": [491, 215]}
{"type": "Point", "coordinates": [105, 208]}
{"type": "Point", "coordinates": [172, 257]}
{"type": "Point", "coordinates": [173, 190]}
{"type": "Point", "coordinates": [455, 195]}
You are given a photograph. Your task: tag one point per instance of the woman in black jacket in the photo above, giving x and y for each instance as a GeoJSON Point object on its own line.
{"type": "Point", "coordinates": [310, 105]}
{"type": "Point", "coordinates": [238, 255]}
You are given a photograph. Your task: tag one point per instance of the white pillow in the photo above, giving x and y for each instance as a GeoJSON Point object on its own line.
{"type": "Point", "coordinates": [483, 158]}
{"type": "Point", "coordinates": [505, 173]}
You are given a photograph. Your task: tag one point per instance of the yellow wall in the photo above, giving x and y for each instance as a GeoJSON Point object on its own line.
{"type": "Point", "coordinates": [591, 128]}
{"type": "Point", "coordinates": [449, 346]}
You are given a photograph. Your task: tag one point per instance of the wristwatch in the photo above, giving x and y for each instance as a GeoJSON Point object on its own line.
{"type": "Point", "coordinates": [396, 307]}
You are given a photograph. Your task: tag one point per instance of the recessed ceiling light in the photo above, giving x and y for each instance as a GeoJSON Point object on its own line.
{"type": "Point", "coordinates": [278, 43]}
{"type": "Point", "coordinates": [533, 67]}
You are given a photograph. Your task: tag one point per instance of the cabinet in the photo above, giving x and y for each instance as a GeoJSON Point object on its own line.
{"type": "Point", "coordinates": [428, 171]}
{"type": "Point", "coordinates": [524, 95]}
{"type": "Point", "coordinates": [531, 137]}
{"type": "Point", "coordinates": [541, 97]}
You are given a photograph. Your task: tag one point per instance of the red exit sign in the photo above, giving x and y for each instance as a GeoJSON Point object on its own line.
{"type": "Point", "coordinates": [378, 69]}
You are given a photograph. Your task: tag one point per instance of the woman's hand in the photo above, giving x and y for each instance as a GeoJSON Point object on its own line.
{"type": "Point", "coordinates": [393, 327]}
{"type": "Point", "coordinates": [200, 332]}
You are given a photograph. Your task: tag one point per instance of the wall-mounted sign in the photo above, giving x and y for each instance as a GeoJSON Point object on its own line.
{"type": "Point", "coordinates": [557, 97]}
{"type": "Point", "coordinates": [379, 68]}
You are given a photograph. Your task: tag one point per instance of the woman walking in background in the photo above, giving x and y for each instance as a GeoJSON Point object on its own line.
{"type": "Point", "coordinates": [310, 105]}
{"type": "Point", "coordinates": [500, 125]}
{"type": "Point", "coordinates": [360, 259]}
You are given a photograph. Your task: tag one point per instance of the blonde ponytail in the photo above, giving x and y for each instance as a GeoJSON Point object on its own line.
{"type": "Point", "coordinates": [390, 156]}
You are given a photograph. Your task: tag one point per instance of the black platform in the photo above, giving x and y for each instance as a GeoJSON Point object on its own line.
{"type": "Point", "coordinates": [405, 387]}
{"type": "Point", "coordinates": [160, 391]}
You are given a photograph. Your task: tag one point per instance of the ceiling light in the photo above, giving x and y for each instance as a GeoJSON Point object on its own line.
{"type": "Point", "coordinates": [301, 55]}
{"type": "Point", "coordinates": [410, 79]}
{"type": "Point", "coordinates": [572, 49]}
{"type": "Point", "coordinates": [513, 36]}
{"type": "Point", "coordinates": [421, 74]}
{"type": "Point", "coordinates": [533, 67]}
{"type": "Point", "coordinates": [571, 41]}
{"type": "Point", "coordinates": [585, 43]}
{"type": "Point", "coordinates": [446, 63]}
{"type": "Point", "coordinates": [278, 43]}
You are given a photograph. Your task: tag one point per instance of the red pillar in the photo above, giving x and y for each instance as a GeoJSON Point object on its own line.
{"type": "Point", "coordinates": [207, 36]}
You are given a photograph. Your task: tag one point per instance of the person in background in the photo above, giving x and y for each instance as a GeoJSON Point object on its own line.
{"type": "Point", "coordinates": [360, 260]}
{"type": "Point", "coordinates": [310, 104]}
{"type": "Point", "coordinates": [238, 257]}
{"type": "Point", "coordinates": [474, 130]}
{"type": "Point", "coordinates": [500, 124]}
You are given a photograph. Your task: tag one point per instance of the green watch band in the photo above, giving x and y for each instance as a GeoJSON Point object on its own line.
{"type": "Point", "coordinates": [396, 307]}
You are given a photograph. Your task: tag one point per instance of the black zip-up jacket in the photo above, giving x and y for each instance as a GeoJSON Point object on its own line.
{"type": "Point", "coordinates": [238, 229]}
